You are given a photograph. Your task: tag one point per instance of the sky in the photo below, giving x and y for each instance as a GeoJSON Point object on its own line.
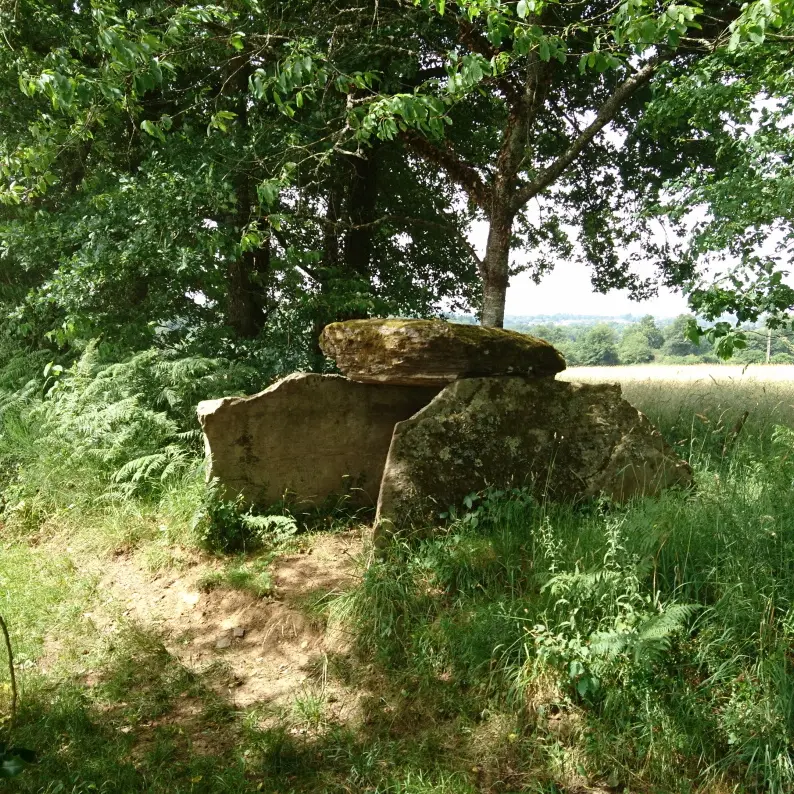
{"type": "Point", "coordinates": [567, 290]}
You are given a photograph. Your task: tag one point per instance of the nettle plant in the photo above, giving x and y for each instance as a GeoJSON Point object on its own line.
{"type": "Point", "coordinates": [603, 623]}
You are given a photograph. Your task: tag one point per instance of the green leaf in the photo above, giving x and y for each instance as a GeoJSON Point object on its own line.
{"type": "Point", "coordinates": [268, 192]}
{"type": "Point", "coordinates": [150, 128]}
{"type": "Point", "coordinates": [521, 9]}
{"type": "Point", "coordinates": [11, 767]}
{"type": "Point", "coordinates": [583, 686]}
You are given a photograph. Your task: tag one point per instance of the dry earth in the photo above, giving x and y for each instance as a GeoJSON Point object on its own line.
{"type": "Point", "coordinates": [272, 649]}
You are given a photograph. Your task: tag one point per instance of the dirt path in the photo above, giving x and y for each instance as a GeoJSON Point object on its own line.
{"type": "Point", "coordinates": [272, 648]}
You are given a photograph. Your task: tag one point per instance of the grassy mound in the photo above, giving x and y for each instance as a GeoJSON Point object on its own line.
{"type": "Point", "coordinates": [525, 647]}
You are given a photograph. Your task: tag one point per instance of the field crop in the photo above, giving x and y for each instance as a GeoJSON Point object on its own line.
{"type": "Point", "coordinates": [698, 403]}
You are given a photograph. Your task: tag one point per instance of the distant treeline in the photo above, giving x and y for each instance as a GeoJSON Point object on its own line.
{"type": "Point", "coordinates": [587, 342]}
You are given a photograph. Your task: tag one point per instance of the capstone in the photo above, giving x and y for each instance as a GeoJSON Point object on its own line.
{"type": "Point", "coordinates": [433, 352]}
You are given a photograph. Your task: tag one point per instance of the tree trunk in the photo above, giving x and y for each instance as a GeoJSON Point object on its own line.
{"type": "Point", "coordinates": [329, 263]}
{"type": "Point", "coordinates": [246, 276]}
{"type": "Point", "coordinates": [333, 213]}
{"type": "Point", "coordinates": [494, 269]}
{"type": "Point", "coordinates": [362, 206]}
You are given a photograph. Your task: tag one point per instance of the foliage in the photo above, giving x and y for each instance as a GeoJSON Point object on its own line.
{"type": "Point", "coordinates": [645, 644]}
{"type": "Point", "coordinates": [732, 218]}
{"type": "Point", "coordinates": [669, 342]}
{"type": "Point", "coordinates": [188, 192]}
{"type": "Point", "coordinates": [101, 430]}
{"type": "Point", "coordinates": [223, 524]}
{"type": "Point", "coordinates": [212, 174]}
{"type": "Point", "coordinates": [635, 348]}
{"type": "Point", "coordinates": [597, 346]}
{"type": "Point", "coordinates": [13, 760]}
{"type": "Point", "coordinates": [150, 195]}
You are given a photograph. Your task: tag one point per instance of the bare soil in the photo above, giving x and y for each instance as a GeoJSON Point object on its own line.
{"type": "Point", "coordinates": [271, 649]}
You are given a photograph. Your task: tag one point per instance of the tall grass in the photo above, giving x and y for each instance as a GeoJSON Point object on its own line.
{"type": "Point", "coordinates": [656, 636]}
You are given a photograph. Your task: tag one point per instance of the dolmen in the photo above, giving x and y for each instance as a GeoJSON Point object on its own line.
{"type": "Point", "coordinates": [427, 412]}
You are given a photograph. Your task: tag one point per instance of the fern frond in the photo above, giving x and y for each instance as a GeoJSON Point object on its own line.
{"type": "Point", "coordinates": [668, 622]}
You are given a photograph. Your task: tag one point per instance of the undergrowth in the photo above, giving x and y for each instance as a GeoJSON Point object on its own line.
{"type": "Point", "coordinates": [521, 647]}
{"type": "Point", "coordinates": [656, 636]}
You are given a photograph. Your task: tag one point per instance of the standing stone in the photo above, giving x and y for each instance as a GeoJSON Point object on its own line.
{"type": "Point", "coordinates": [433, 353]}
{"type": "Point", "coordinates": [307, 438]}
{"type": "Point", "coordinates": [565, 441]}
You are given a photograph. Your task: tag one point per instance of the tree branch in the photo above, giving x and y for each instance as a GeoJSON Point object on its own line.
{"type": "Point", "coordinates": [399, 220]}
{"type": "Point", "coordinates": [458, 170]}
{"type": "Point", "coordinates": [606, 113]}
{"type": "Point", "coordinates": [12, 675]}
{"type": "Point", "coordinates": [407, 221]}
{"type": "Point", "coordinates": [472, 38]}
{"type": "Point", "coordinates": [523, 112]}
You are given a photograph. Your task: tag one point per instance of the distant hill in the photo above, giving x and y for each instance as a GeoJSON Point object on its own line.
{"type": "Point", "coordinates": [523, 320]}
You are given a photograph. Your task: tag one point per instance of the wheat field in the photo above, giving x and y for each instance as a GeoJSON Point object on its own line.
{"type": "Point", "coordinates": [702, 395]}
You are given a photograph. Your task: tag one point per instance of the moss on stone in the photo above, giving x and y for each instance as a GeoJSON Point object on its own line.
{"type": "Point", "coordinates": [564, 441]}
{"type": "Point", "coordinates": [404, 350]}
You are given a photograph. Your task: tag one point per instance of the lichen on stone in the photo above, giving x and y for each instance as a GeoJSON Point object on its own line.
{"type": "Point", "coordinates": [432, 351]}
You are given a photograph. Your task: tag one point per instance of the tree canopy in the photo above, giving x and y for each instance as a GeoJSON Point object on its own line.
{"type": "Point", "coordinates": [210, 175]}
{"type": "Point", "coordinates": [733, 217]}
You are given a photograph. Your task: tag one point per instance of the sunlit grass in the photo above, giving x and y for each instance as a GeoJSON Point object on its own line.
{"type": "Point", "coordinates": [524, 649]}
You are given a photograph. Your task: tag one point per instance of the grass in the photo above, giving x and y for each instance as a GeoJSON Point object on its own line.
{"type": "Point", "coordinates": [523, 648]}
{"type": "Point", "coordinates": [697, 403]}
{"type": "Point", "coordinates": [251, 576]}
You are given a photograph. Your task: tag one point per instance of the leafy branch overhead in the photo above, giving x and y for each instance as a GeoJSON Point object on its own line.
{"type": "Point", "coordinates": [222, 167]}
{"type": "Point", "coordinates": [517, 55]}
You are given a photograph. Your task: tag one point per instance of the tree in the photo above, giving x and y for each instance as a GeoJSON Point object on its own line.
{"type": "Point", "coordinates": [514, 62]}
{"type": "Point", "coordinates": [559, 336]}
{"type": "Point", "coordinates": [598, 347]}
{"type": "Point", "coordinates": [647, 326]}
{"type": "Point", "coordinates": [635, 348]}
{"type": "Point", "coordinates": [148, 196]}
{"type": "Point", "coordinates": [733, 215]}
{"type": "Point", "coordinates": [677, 341]}
{"type": "Point", "coordinates": [242, 152]}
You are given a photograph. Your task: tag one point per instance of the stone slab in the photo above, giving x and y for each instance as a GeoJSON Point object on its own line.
{"type": "Point", "coordinates": [433, 352]}
{"type": "Point", "coordinates": [564, 441]}
{"type": "Point", "coordinates": [308, 438]}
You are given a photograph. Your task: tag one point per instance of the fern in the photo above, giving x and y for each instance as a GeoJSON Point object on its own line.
{"type": "Point", "coordinates": [648, 641]}
{"type": "Point", "coordinates": [171, 460]}
{"type": "Point", "coordinates": [273, 528]}
{"type": "Point", "coordinates": [106, 429]}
